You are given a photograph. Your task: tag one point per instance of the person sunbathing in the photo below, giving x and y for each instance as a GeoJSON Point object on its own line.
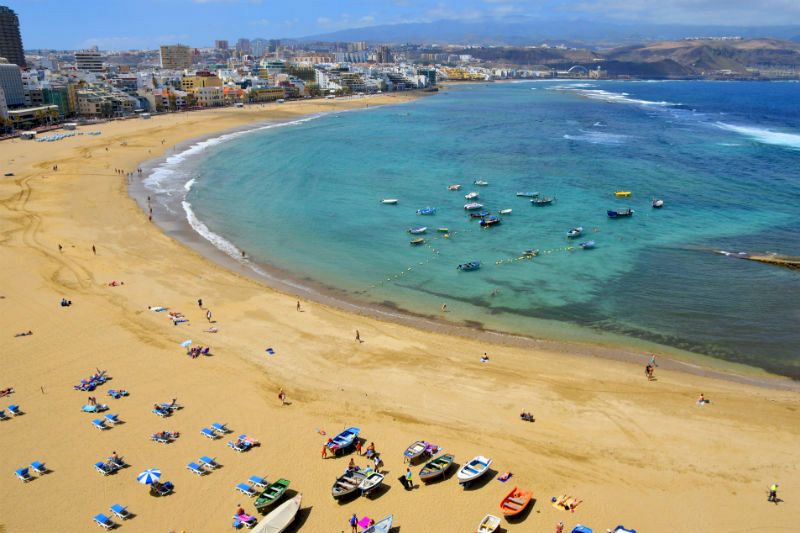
{"type": "Point", "coordinates": [6, 392]}
{"type": "Point", "coordinates": [24, 333]}
{"type": "Point", "coordinates": [526, 416]}
{"type": "Point", "coordinates": [115, 283]}
{"type": "Point", "coordinates": [211, 330]}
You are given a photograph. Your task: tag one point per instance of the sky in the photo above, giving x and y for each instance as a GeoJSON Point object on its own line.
{"type": "Point", "coordinates": [122, 24]}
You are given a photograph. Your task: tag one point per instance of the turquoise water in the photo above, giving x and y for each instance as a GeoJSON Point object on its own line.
{"type": "Point", "coordinates": [725, 157]}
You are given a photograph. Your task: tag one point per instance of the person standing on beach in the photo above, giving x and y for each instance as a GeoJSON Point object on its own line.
{"type": "Point", "coordinates": [282, 397]}
{"type": "Point", "coordinates": [59, 248]}
{"type": "Point", "coordinates": [653, 361]}
{"type": "Point", "coordinates": [358, 336]}
{"type": "Point", "coordinates": [444, 308]}
{"type": "Point", "coordinates": [560, 527]}
{"type": "Point", "coordinates": [200, 303]}
{"type": "Point", "coordinates": [325, 450]}
{"type": "Point", "coordinates": [354, 523]}
{"type": "Point", "coordinates": [298, 306]}
{"type": "Point", "coordinates": [773, 493]}
{"type": "Point", "coordinates": [408, 483]}
{"type": "Point", "coordinates": [94, 250]}
{"type": "Point", "coordinates": [208, 315]}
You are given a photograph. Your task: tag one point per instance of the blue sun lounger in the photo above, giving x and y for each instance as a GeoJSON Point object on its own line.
{"type": "Point", "coordinates": [103, 520]}
{"type": "Point", "coordinates": [101, 467]}
{"type": "Point", "coordinates": [38, 467]}
{"type": "Point", "coordinates": [161, 412]}
{"type": "Point", "coordinates": [219, 428]}
{"type": "Point", "coordinates": [210, 462]}
{"type": "Point", "coordinates": [112, 418]}
{"type": "Point", "coordinates": [99, 424]}
{"type": "Point", "coordinates": [156, 438]}
{"type": "Point", "coordinates": [208, 433]}
{"type": "Point", "coordinates": [14, 410]}
{"type": "Point", "coordinates": [120, 511]}
{"type": "Point", "coordinates": [258, 481]}
{"type": "Point", "coordinates": [3, 415]}
{"type": "Point", "coordinates": [194, 467]}
{"type": "Point", "coordinates": [23, 474]}
{"type": "Point", "coordinates": [246, 489]}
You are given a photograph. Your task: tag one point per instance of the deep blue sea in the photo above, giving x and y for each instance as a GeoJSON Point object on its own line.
{"type": "Point", "coordinates": [724, 157]}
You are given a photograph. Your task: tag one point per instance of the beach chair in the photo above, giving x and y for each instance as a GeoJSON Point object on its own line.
{"type": "Point", "coordinates": [101, 467]}
{"type": "Point", "coordinates": [14, 410]}
{"type": "Point", "coordinates": [23, 474]}
{"type": "Point", "coordinates": [208, 433]}
{"type": "Point", "coordinates": [120, 511]}
{"type": "Point", "coordinates": [246, 489]}
{"type": "Point", "coordinates": [258, 481]}
{"type": "Point", "coordinates": [156, 438]}
{"type": "Point", "coordinates": [161, 412]}
{"type": "Point", "coordinates": [3, 415]}
{"type": "Point", "coordinates": [99, 424]}
{"type": "Point", "coordinates": [196, 468]}
{"type": "Point", "coordinates": [170, 406]}
{"type": "Point", "coordinates": [38, 467]}
{"type": "Point", "coordinates": [220, 428]}
{"type": "Point", "coordinates": [114, 419]}
{"type": "Point", "coordinates": [236, 522]}
{"type": "Point", "coordinates": [103, 520]}
{"type": "Point", "coordinates": [236, 447]}
{"type": "Point", "coordinates": [243, 519]}
{"type": "Point", "coordinates": [118, 463]}
{"type": "Point", "coordinates": [210, 462]}
{"type": "Point", "coordinates": [165, 488]}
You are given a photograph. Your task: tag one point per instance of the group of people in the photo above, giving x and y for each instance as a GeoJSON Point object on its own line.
{"type": "Point", "coordinates": [197, 351]}
{"type": "Point", "coordinates": [65, 302]}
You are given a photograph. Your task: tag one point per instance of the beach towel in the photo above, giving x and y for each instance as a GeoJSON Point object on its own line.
{"type": "Point", "coordinates": [270, 351]}
{"type": "Point", "coordinates": [505, 476]}
{"type": "Point", "coordinates": [364, 522]}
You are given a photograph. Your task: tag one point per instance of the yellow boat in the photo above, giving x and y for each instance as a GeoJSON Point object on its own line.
{"type": "Point", "coordinates": [624, 194]}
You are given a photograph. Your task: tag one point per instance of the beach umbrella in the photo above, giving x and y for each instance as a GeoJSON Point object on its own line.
{"type": "Point", "coordinates": [149, 476]}
{"type": "Point", "coordinates": [186, 343]}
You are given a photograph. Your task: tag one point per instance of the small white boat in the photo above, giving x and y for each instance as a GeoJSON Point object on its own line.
{"type": "Point", "coordinates": [575, 232]}
{"type": "Point", "coordinates": [658, 203]}
{"type": "Point", "coordinates": [481, 183]}
{"type": "Point", "coordinates": [371, 482]}
{"type": "Point", "coordinates": [472, 206]}
{"type": "Point", "coordinates": [453, 187]}
{"type": "Point", "coordinates": [506, 211]}
{"type": "Point", "coordinates": [474, 469]}
{"type": "Point", "coordinates": [389, 201]}
{"type": "Point", "coordinates": [470, 196]}
{"type": "Point", "coordinates": [489, 524]}
{"type": "Point", "coordinates": [382, 526]}
{"type": "Point", "coordinates": [527, 194]}
{"type": "Point", "coordinates": [279, 520]}
{"type": "Point", "coordinates": [415, 450]}
{"type": "Point", "coordinates": [418, 230]}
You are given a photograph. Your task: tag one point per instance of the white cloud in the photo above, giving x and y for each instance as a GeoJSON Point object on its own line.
{"type": "Point", "coordinates": [260, 22]}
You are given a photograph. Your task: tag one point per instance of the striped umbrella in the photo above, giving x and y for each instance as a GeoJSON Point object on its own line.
{"type": "Point", "coordinates": [149, 476]}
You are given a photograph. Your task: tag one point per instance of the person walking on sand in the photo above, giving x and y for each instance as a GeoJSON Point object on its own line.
{"type": "Point", "coordinates": [208, 315]}
{"type": "Point", "coordinates": [94, 250]}
{"type": "Point", "coordinates": [298, 305]}
{"type": "Point", "coordinates": [325, 450]}
{"type": "Point", "coordinates": [560, 527]}
{"type": "Point", "coordinates": [282, 397]}
{"type": "Point", "coordinates": [408, 483]}
{"type": "Point", "coordinates": [773, 493]}
{"type": "Point", "coordinates": [444, 308]}
{"type": "Point", "coordinates": [60, 248]}
{"type": "Point", "coordinates": [200, 303]}
{"type": "Point", "coordinates": [358, 447]}
{"type": "Point", "coordinates": [358, 336]}
{"type": "Point", "coordinates": [653, 361]}
{"type": "Point", "coordinates": [354, 523]}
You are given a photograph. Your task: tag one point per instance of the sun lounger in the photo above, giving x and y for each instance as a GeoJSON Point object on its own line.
{"type": "Point", "coordinates": [210, 462]}
{"type": "Point", "coordinates": [208, 433]}
{"type": "Point", "coordinates": [170, 406]}
{"type": "Point", "coordinates": [120, 511]}
{"type": "Point", "coordinates": [161, 412]}
{"type": "Point", "coordinates": [246, 489]}
{"type": "Point", "coordinates": [103, 468]}
{"type": "Point", "coordinates": [194, 467]}
{"type": "Point", "coordinates": [38, 467]}
{"type": "Point", "coordinates": [237, 447]}
{"type": "Point", "coordinates": [114, 419]}
{"type": "Point", "coordinates": [117, 463]}
{"type": "Point", "coordinates": [103, 520]}
{"type": "Point", "coordinates": [258, 481]}
{"type": "Point", "coordinates": [164, 488]}
{"type": "Point", "coordinates": [247, 520]}
{"type": "Point", "coordinates": [14, 410]}
{"type": "Point", "coordinates": [99, 424]}
{"type": "Point", "coordinates": [23, 474]}
{"type": "Point", "coordinates": [156, 438]}
{"type": "Point", "coordinates": [219, 428]}
{"type": "Point", "coordinates": [3, 415]}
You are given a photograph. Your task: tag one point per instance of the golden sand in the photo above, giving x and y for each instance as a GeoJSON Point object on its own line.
{"type": "Point", "coordinates": [637, 453]}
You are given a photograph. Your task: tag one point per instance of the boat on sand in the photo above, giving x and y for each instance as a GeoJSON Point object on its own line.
{"type": "Point", "coordinates": [347, 483]}
{"type": "Point", "coordinates": [436, 467]}
{"type": "Point", "coordinates": [474, 469]}
{"type": "Point", "coordinates": [344, 439]}
{"type": "Point", "coordinates": [489, 524]}
{"type": "Point", "coordinates": [415, 451]}
{"type": "Point", "coordinates": [271, 494]}
{"type": "Point", "coordinates": [280, 518]}
{"type": "Point", "coordinates": [370, 483]}
{"type": "Point", "coordinates": [515, 502]}
{"type": "Point", "coordinates": [383, 526]}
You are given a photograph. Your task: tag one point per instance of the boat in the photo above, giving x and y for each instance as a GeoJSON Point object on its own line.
{"type": "Point", "coordinates": [506, 211]}
{"type": "Point", "coordinates": [622, 194]}
{"type": "Point", "coordinates": [453, 187]}
{"type": "Point", "coordinates": [470, 196]}
{"type": "Point", "coordinates": [436, 467]}
{"type": "Point", "coordinates": [415, 450]}
{"type": "Point", "coordinates": [417, 242]}
{"type": "Point", "coordinates": [479, 214]}
{"type": "Point", "coordinates": [271, 494]}
{"type": "Point", "coordinates": [347, 483]}
{"type": "Point", "coordinates": [280, 518]}
{"type": "Point", "coordinates": [481, 183]}
{"type": "Point", "coordinates": [575, 232]}
{"type": "Point", "coordinates": [389, 201]}
{"type": "Point", "coordinates": [530, 253]}
{"type": "Point", "coordinates": [490, 221]}
{"type": "Point", "coordinates": [619, 213]}
{"type": "Point", "coordinates": [489, 524]}
{"type": "Point", "coordinates": [527, 194]}
{"type": "Point", "coordinates": [474, 469]}
{"type": "Point", "coordinates": [515, 502]}
{"type": "Point", "coordinates": [473, 206]}
{"type": "Point", "coordinates": [371, 482]}
{"type": "Point", "coordinates": [544, 200]}
{"type": "Point", "coordinates": [657, 203]}
{"type": "Point", "coordinates": [426, 211]}
{"type": "Point", "coordinates": [588, 245]}
{"type": "Point", "coordinates": [382, 526]}
{"type": "Point", "coordinates": [443, 230]}
{"type": "Point", "coordinates": [417, 230]}
{"type": "Point", "coordinates": [344, 439]}
{"type": "Point", "coordinates": [472, 265]}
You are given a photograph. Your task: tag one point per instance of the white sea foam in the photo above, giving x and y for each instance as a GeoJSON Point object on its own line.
{"type": "Point", "coordinates": [608, 96]}
{"type": "Point", "coordinates": [188, 185]}
{"type": "Point", "coordinates": [764, 136]}
{"type": "Point", "coordinates": [218, 241]}
{"type": "Point", "coordinates": [598, 137]}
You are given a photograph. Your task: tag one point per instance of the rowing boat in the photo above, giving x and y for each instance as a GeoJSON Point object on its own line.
{"type": "Point", "coordinates": [436, 467]}
{"type": "Point", "coordinates": [515, 502]}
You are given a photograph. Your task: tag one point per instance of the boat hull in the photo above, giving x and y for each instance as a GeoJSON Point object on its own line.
{"type": "Point", "coordinates": [436, 467]}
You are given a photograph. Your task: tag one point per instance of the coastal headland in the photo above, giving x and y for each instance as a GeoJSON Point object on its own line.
{"type": "Point", "coordinates": [635, 452]}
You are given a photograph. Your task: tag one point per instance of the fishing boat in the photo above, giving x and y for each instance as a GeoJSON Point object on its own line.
{"type": "Point", "coordinates": [527, 194]}
{"type": "Point", "coordinates": [588, 245]}
{"type": "Point", "coordinates": [347, 483]}
{"type": "Point", "coordinates": [474, 469]}
{"type": "Point", "coordinates": [490, 221]}
{"type": "Point", "coordinates": [575, 232]}
{"type": "Point", "coordinates": [515, 502]}
{"type": "Point", "coordinates": [436, 467]}
{"type": "Point", "coordinates": [481, 183]}
{"type": "Point", "coordinates": [271, 494]}
{"type": "Point", "coordinates": [370, 483]}
{"type": "Point", "coordinates": [472, 265]}
{"type": "Point", "coordinates": [530, 253]}
{"type": "Point", "coordinates": [619, 213]}
{"type": "Point", "coordinates": [417, 230]}
{"type": "Point", "coordinates": [470, 196]}
{"type": "Point", "coordinates": [344, 439]}
{"type": "Point", "coordinates": [658, 203]}
{"type": "Point", "coordinates": [453, 187]}
{"type": "Point", "coordinates": [544, 200]}
{"type": "Point", "coordinates": [506, 211]}
{"type": "Point", "coordinates": [426, 211]}
{"type": "Point", "coordinates": [389, 201]}
{"type": "Point", "coordinates": [280, 518]}
{"type": "Point", "coordinates": [417, 242]}
{"type": "Point", "coordinates": [472, 206]}
{"type": "Point", "coordinates": [489, 524]}
{"type": "Point", "coordinates": [415, 451]}
{"type": "Point", "coordinates": [479, 214]}
{"type": "Point", "coordinates": [622, 194]}
{"type": "Point", "coordinates": [382, 526]}
{"type": "Point", "coordinates": [443, 230]}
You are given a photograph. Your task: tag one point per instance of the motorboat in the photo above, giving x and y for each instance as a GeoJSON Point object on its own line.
{"type": "Point", "coordinates": [527, 194]}
{"type": "Point", "coordinates": [544, 200]}
{"type": "Point", "coordinates": [472, 206]}
{"type": "Point", "coordinates": [417, 242]}
{"type": "Point", "coordinates": [490, 221]}
{"type": "Point", "coordinates": [622, 194]}
{"type": "Point", "coordinates": [471, 196]}
{"type": "Point", "coordinates": [481, 183]}
{"type": "Point", "coordinates": [417, 230]}
{"type": "Point", "coordinates": [453, 187]}
{"type": "Point", "coordinates": [575, 232]}
{"type": "Point", "coordinates": [479, 214]}
{"type": "Point", "coordinates": [389, 201]}
{"type": "Point", "coordinates": [619, 213]}
{"type": "Point", "coordinates": [658, 203]}
{"type": "Point", "coordinates": [588, 245]}
{"type": "Point", "coordinates": [506, 211]}
{"type": "Point", "coordinates": [530, 253]}
{"type": "Point", "coordinates": [472, 265]}
{"type": "Point", "coordinates": [426, 211]}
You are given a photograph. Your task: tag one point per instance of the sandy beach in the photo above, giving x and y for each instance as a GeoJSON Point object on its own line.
{"type": "Point", "coordinates": [635, 452]}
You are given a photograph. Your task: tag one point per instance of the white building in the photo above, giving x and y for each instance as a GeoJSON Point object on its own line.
{"type": "Point", "coordinates": [89, 60]}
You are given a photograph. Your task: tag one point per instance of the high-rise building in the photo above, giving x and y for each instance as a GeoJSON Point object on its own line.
{"type": "Point", "coordinates": [258, 47]}
{"type": "Point", "coordinates": [221, 45]}
{"type": "Point", "coordinates": [10, 40]}
{"type": "Point", "coordinates": [89, 60]}
{"type": "Point", "coordinates": [176, 57]}
{"type": "Point", "coordinates": [243, 45]}
{"type": "Point", "coordinates": [11, 83]}
{"type": "Point", "coordinates": [274, 45]}
{"type": "Point", "coordinates": [383, 55]}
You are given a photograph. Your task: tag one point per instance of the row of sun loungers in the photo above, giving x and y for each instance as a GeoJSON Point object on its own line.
{"type": "Point", "coordinates": [118, 510]}
{"type": "Point", "coordinates": [13, 410]}
{"type": "Point", "coordinates": [100, 423]}
{"type": "Point", "coordinates": [24, 474]}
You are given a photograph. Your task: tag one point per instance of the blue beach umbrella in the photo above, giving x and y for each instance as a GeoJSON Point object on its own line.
{"type": "Point", "coordinates": [186, 343]}
{"type": "Point", "coordinates": [149, 476]}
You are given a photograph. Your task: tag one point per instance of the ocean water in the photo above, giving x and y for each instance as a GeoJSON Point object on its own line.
{"type": "Point", "coordinates": [725, 157]}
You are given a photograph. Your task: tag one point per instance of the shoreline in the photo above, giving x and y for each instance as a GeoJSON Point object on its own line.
{"type": "Point", "coordinates": [174, 224]}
